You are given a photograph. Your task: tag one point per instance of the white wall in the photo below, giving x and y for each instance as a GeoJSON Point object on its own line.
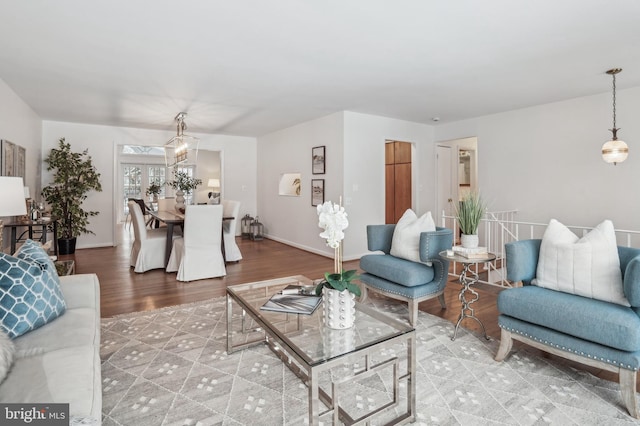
{"type": "Point", "coordinates": [238, 153]}
{"type": "Point", "coordinates": [545, 161]}
{"type": "Point", "coordinates": [354, 170]}
{"type": "Point", "coordinates": [22, 126]}
{"type": "Point", "coordinates": [293, 220]}
{"type": "Point", "coordinates": [364, 175]}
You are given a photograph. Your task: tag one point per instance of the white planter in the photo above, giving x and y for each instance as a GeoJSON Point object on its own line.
{"type": "Point", "coordinates": [339, 308]}
{"type": "Point", "coordinates": [469, 241]}
{"type": "Point", "coordinates": [338, 342]}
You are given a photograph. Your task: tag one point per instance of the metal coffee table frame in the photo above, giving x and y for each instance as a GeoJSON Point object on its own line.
{"type": "Point", "coordinates": [309, 371]}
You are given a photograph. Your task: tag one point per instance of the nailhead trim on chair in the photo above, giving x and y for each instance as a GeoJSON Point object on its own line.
{"type": "Point", "coordinates": [399, 294]}
{"type": "Point", "coordinates": [617, 364]}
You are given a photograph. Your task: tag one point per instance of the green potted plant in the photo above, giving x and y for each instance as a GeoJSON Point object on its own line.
{"type": "Point", "coordinates": [73, 178]}
{"type": "Point", "coordinates": [468, 213]}
{"type": "Point", "coordinates": [183, 184]}
{"type": "Point", "coordinates": [154, 190]}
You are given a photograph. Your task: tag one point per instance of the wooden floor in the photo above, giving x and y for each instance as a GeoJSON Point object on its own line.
{"type": "Point", "coordinates": [123, 291]}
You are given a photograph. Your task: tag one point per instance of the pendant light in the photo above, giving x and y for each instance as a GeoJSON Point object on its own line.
{"type": "Point", "coordinates": [614, 151]}
{"type": "Point", "coordinates": [181, 148]}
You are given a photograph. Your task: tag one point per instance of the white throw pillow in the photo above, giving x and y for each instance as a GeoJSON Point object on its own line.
{"type": "Point", "coordinates": [406, 236]}
{"type": "Point", "coordinates": [6, 354]}
{"type": "Point", "coordinates": [588, 266]}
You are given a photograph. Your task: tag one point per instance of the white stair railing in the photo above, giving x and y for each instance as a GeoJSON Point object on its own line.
{"type": "Point", "coordinates": [499, 228]}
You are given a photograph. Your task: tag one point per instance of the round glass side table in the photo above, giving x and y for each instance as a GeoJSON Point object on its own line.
{"type": "Point", "coordinates": [468, 277]}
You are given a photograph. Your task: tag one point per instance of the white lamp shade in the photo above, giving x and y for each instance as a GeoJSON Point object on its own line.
{"type": "Point", "coordinates": [12, 196]}
{"type": "Point", "coordinates": [615, 151]}
{"type": "Point", "coordinates": [214, 183]}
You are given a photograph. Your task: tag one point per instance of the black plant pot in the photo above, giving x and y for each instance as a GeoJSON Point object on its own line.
{"type": "Point", "coordinates": [67, 245]}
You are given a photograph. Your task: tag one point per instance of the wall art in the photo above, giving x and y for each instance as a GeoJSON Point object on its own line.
{"type": "Point", "coordinates": [317, 160]}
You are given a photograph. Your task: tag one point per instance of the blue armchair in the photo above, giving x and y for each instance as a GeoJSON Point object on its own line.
{"type": "Point", "coordinates": [593, 332]}
{"type": "Point", "coordinates": [403, 279]}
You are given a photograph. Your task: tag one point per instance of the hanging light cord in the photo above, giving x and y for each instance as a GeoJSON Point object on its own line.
{"type": "Point", "coordinates": [614, 106]}
{"type": "Point", "coordinates": [181, 125]}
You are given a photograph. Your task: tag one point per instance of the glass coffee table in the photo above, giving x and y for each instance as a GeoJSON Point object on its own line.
{"type": "Point", "coordinates": [377, 345]}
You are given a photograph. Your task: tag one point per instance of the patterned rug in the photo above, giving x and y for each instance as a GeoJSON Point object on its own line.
{"type": "Point", "coordinates": [169, 367]}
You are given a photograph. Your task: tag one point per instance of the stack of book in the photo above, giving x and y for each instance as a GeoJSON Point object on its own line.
{"type": "Point", "coordinates": [471, 253]}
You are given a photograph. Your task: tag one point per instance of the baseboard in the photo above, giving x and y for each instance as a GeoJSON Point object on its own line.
{"type": "Point", "coordinates": [313, 250]}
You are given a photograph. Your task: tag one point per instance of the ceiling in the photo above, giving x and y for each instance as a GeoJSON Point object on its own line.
{"type": "Point", "coordinates": [250, 67]}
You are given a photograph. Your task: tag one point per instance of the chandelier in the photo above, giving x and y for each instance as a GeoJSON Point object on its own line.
{"type": "Point", "coordinates": [181, 149]}
{"type": "Point", "coordinates": [614, 151]}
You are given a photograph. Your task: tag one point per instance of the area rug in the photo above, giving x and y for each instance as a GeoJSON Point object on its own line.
{"type": "Point", "coordinates": [170, 367]}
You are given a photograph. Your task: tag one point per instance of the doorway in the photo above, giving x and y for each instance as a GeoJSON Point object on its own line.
{"type": "Point", "coordinates": [398, 174]}
{"type": "Point", "coordinates": [457, 172]}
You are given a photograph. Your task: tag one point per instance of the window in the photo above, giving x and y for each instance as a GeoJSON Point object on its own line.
{"type": "Point", "coordinates": [140, 166]}
{"type": "Point", "coordinates": [157, 174]}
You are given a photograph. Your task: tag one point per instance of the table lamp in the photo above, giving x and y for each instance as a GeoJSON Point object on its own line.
{"type": "Point", "coordinates": [11, 200]}
{"type": "Point", "coordinates": [213, 183]}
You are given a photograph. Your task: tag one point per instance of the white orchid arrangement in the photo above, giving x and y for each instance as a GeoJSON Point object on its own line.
{"type": "Point", "coordinates": [333, 219]}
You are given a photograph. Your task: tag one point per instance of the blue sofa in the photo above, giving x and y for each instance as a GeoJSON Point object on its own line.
{"type": "Point", "coordinates": [403, 279]}
{"type": "Point", "coordinates": [593, 332]}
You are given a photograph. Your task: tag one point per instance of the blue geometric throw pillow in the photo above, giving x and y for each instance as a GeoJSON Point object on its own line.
{"type": "Point", "coordinates": [32, 251]}
{"type": "Point", "coordinates": [30, 294]}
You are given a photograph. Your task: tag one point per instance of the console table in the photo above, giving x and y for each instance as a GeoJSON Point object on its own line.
{"type": "Point", "coordinates": [40, 228]}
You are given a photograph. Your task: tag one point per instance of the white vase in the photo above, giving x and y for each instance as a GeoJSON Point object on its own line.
{"type": "Point", "coordinates": [180, 201]}
{"type": "Point", "coordinates": [339, 308]}
{"type": "Point", "coordinates": [338, 342]}
{"type": "Point", "coordinates": [469, 241]}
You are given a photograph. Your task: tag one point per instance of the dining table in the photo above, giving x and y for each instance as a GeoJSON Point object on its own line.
{"type": "Point", "coordinates": [171, 219]}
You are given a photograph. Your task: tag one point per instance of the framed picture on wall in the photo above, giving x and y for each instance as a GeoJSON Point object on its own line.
{"type": "Point", "coordinates": [317, 191]}
{"type": "Point", "coordinates": [21, 154]}
{"type": "Point", "coordinates": [317, 160]}
{"type": "Point", "coordinates": [8, 161]}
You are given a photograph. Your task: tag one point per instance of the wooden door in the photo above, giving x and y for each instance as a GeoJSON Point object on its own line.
{"type": "Point", "coordinates": [397, 180]}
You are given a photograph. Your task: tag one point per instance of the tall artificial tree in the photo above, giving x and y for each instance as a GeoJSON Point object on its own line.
{"type": "Point", "coordinates": [74, 177]}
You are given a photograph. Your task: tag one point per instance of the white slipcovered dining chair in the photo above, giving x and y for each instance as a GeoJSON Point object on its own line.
{"type": "Point", "coordinates": [232, 252]}
{"type": "Point", "coordinates": [198, 254]}
{"type": "Point", "coordinates": [148, 249]}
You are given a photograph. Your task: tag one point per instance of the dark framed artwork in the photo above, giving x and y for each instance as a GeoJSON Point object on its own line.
{"type": "Point", "coordinates": [317, 160]}
{"type": "Point", "coordinates": [317, 192]}
{"type": "Point", "coordinates": [8, 158]}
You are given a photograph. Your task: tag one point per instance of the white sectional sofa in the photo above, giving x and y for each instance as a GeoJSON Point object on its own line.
{"type": "Point", "coordinates": [60, 361]}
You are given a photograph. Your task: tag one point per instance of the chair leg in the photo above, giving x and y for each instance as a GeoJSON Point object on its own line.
{"type": "Point", "coordinates": [627, 379]}
{"type": "Point", "coordinates": [413, 312]}
{"type": "Point", "coordinates": [442, 301]}
{"type": "Point", "coordinates": [506, 343]}
{"type": "Point", "coordinates": [363, 293]}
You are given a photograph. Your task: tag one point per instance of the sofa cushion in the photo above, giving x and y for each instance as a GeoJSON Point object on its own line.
{"type": "Point", "coordinates": [588, 266]}
{"type": "Point", "coordinates": [594, 320]}
{"type": "Point", "coordinates": [7, 350]}
{"type": "Point", "coordinates": [68, 375]}
{"type": "Point", "coordinates": [406, 236]}
{"type": "Point", "coordinates": [79, 326]}
{"type": "Point", "coordinates": [394, 269]}
{"type": "Point", "coordinates": [30, 295]}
